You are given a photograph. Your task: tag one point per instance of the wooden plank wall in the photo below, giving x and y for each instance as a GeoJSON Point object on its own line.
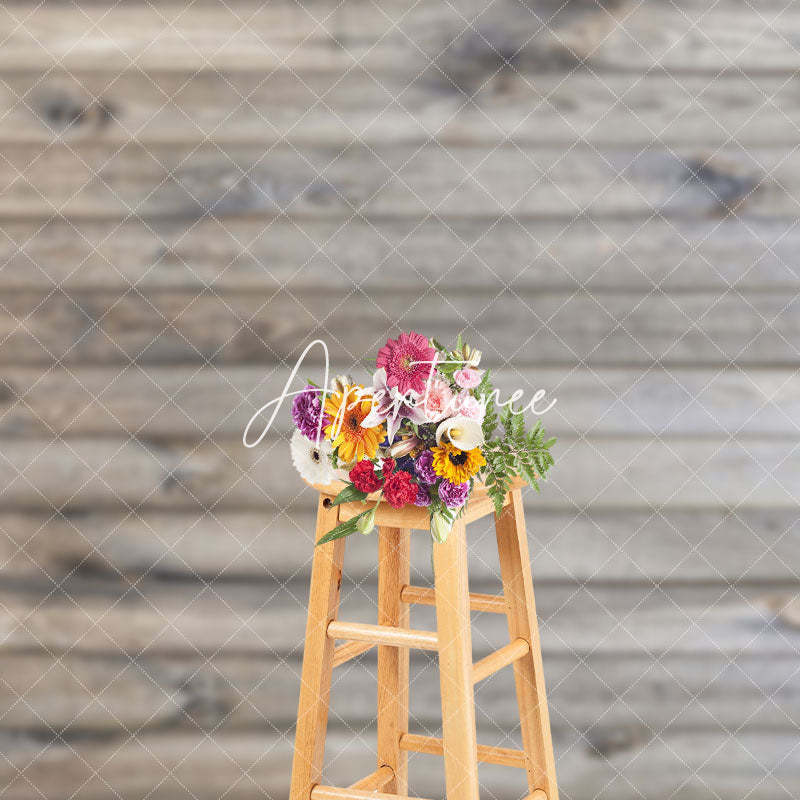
{"type": "Point", "coordinates": [600, 195]}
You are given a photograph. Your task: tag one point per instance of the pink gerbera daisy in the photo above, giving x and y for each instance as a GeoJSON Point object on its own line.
{"type": "Point", "coordinates": [404, 360]}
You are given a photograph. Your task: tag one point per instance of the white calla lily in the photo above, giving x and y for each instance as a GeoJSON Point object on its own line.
{"type": "Point", "coordinates": [463, 432]}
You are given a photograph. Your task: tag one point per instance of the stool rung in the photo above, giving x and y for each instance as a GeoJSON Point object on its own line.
{"type": "Point", "coordinates": [537, 794]}
{"type": "Point", "coordinates": [375, 781]}
{"type": "Point", "coordinates": [349, 650]}
{"type": "Point", "coordinates": [506, 655]}
{"type": "Point", "coordinates": [486, 753]}
{"type": "Point", "coordinates": [383, 634]}
{"type": "Point", "coordinates": [419, 595]}
{"type": "Point", "coordinates": [320, 792]}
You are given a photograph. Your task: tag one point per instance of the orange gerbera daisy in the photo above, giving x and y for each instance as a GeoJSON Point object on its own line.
{"type": "Point", "coordinates": [347, 409]}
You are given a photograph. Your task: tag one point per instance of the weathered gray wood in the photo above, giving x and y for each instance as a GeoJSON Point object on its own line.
{"type": "Point", "coordinates": [683, 623]}
{"type": "Point", "coordinates": [617, 35]}
{"type": "Point", "coordinates": [110, 182]}
{"type": "Point", "coordinates": [636, 473]}
{"type": "Point", "coordinates": [80, 695]}
{"type": "Point", "coordinates": [269, 327]}
{"type": "Point", "coordinates": [693, 766]}
{"type": "Point", "coordinates": [246, 254]}
{"type": "Point", "coordinates": [174, 619]}
{"type": "Point", "coordinates": [190, 401]}
{"type": "Point", "coordinates": [318, 6]}
{"type": "Point", "coordinates": [615, 545]}
{"type": "Point", "coordinates": [531, 107]}
{"type": "Point", "coordinates": [249, 254]}
{"type": "Point", "coordinates": [281, 9]}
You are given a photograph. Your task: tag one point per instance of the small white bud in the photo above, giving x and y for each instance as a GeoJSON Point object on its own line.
{"type": "Point", "coordinates": [366, 523]}
{"type": "Point", "coordinates": [440, 528]}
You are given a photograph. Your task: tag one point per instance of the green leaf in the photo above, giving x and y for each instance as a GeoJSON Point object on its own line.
{"type": "Point", "coordinates": [489, 421]}
{"type": "Point", "coordinates": [348, 495]}
{"type": "Point", "coordinates": [344, 529]}
{"type": "Point", "coordinates": [497, 499]}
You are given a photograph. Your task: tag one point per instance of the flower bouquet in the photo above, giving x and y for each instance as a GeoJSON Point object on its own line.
{"type": "Point", "coordinates": [423, 434]}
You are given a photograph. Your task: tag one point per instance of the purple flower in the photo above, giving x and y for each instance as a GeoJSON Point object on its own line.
{"type": "Point", "coordinates": [307, 410]}
{"type": "Point", "coordinates": [423, 496]}
{"type": "Point", "coordinates": [454, 495]}
{"type": "Point", "coordinates": [423, 466]}
{"type": "Point", "coordinates": [406, 463]}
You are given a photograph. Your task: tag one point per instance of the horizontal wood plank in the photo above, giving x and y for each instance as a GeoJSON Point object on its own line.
{"type": "Point", "coordinates": [171, 6]}
{"type": "Point", "coordinates": [189, 183]}
{"type": "Point", "coordinates": [271, 327]}
{"type": "Point", "coordinates": [92, 694]}
{"type": "Point", "coordinates": [249, 254]}
{"type": "Point", "coordinates": [647, 620]}
{"type": "Point", "coordinates": [614, 546]}
{"type": "Point", "coordinates": [169, 765]}
{"type": "Point", "coordinates": [184, 402]}
{"type": "Point", "coordinates": [637, 473]}
{"type": "Point", "coordinates": [334, 37]}
{"type": "Point", "coordinates": [528, 105]}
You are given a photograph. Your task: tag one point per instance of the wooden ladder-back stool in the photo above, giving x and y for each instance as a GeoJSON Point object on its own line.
{"type": "Point", "coordinates": [452, 640]}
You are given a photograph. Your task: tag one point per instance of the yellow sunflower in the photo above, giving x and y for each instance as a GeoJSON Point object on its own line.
{"type": "Point", "coordinates": [457, 466]}
{"type": "Point", "coordinates": [346, 410]}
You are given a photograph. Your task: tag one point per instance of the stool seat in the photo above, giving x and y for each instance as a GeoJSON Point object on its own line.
{"type": "Point", "coordinates": [452, 641]}
{"type": "Point", "coordinates": [479, 505]}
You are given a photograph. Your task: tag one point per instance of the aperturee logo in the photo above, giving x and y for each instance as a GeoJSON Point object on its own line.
{"type": "Point", "coordinates": [427, 431]}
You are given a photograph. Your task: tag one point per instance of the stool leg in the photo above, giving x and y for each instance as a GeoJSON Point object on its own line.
{"type": "Point", "coordinates": [393, 574]}
{"type": "Point", "coordinates": [512, 545]}
{"type": "Point", "coordinates": [315, 684]}
{"type": "Point", "coordinates": [455, 665]}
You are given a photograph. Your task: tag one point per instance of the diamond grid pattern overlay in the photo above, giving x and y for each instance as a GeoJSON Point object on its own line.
{"type": "Point", "coordinates": [598, 195]}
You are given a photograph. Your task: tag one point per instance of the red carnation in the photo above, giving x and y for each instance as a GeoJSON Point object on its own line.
{"type": "Point", "coordinates": [399, 490]}
{"type": "Point", "coordinates": [388, 467]}
{"type": "Point", "coordinates": [364, 478]}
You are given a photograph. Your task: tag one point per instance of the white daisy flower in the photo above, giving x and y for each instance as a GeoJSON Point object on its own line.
{"type": "Point", "coordinates": [312, 462]}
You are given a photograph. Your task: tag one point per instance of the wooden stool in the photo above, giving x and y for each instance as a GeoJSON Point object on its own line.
{"type": "Point", "coordinates": [453, 641]}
